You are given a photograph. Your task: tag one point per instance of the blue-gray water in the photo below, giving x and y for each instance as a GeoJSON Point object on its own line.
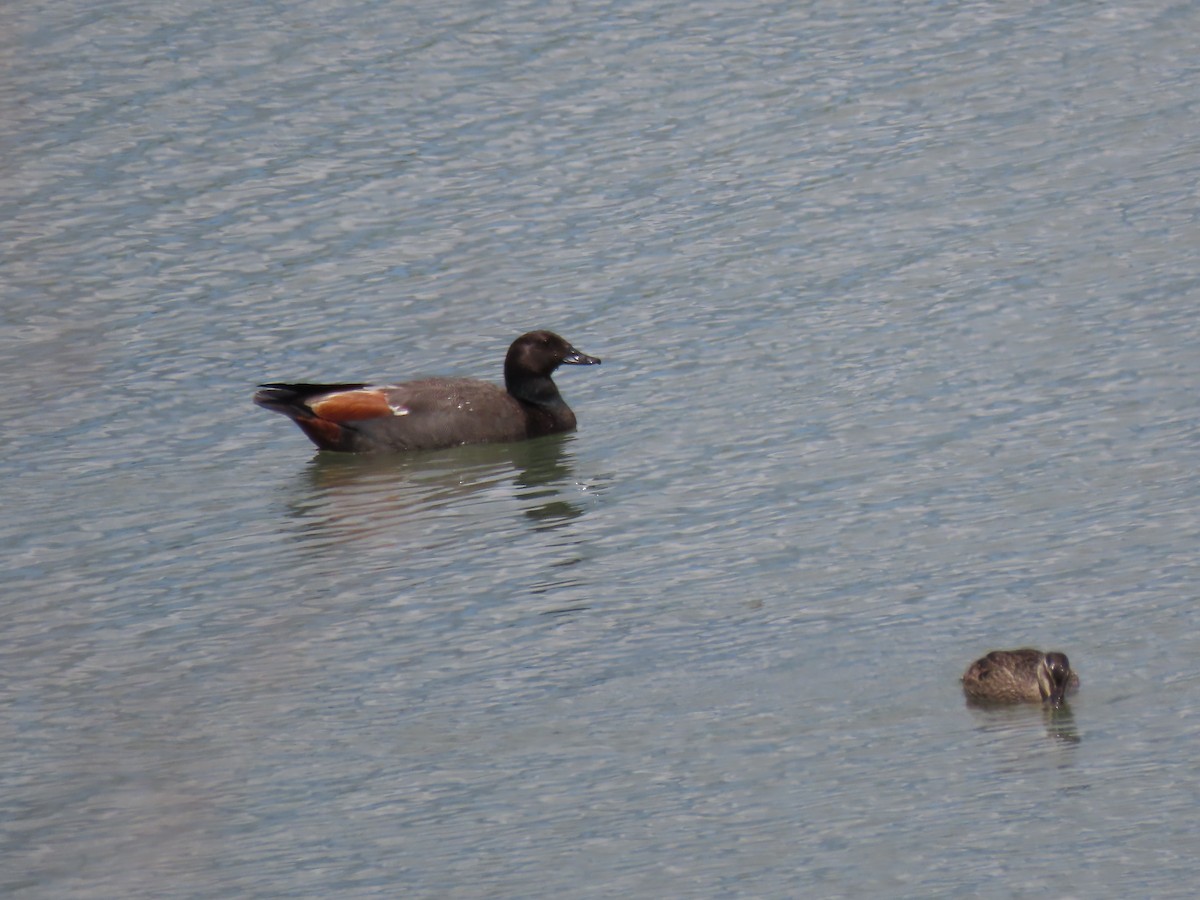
{"type": "Point", "coordinates": [898, 306]}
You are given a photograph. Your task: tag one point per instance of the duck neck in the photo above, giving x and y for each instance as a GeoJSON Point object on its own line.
{"type": "Point", "coordinates": [535, 390]}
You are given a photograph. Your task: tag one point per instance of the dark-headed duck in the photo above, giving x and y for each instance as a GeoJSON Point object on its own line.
{"type": "Point", "coordinates": [1015, 676]}
{"type": "Point", "coordinates": [436, 412]}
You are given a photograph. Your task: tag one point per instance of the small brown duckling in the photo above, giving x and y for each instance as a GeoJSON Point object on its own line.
{"type": "Point", "coordinates": [1015, 676]}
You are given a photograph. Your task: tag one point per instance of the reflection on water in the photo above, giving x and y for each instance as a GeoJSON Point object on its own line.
{"type": "Point", "coordinates": [544, 467]}
{"type": "Point", "coordinates": [1014, 719]}
{"type": "Point", "coordinates": [1060, 723]}
{"type": "Point", "coordinates": [356, 496]}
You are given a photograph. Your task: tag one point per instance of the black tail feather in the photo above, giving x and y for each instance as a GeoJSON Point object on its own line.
{"type": "Point", "coordinates": [291, 399]}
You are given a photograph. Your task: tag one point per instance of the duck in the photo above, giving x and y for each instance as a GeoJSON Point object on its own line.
{"type": "Point", "coordinates": [435, 413]}
{"type": "Point", "coordinates": [1016, 676]}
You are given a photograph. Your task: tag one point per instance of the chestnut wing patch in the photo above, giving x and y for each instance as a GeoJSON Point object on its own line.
{"type": "Point", "coordinates": [355, 406]}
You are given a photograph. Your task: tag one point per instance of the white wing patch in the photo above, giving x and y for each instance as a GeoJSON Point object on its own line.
{"type": "Point", "coordinates": [399, 410]}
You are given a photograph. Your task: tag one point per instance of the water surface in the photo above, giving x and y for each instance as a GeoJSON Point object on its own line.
{"type": "Point", "coordinates": [897, 307]}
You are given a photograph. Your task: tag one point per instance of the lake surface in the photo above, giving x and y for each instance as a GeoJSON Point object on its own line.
{"type": "Point", "coordinates": [898, 306]}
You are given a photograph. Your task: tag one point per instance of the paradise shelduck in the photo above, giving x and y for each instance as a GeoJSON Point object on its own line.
{"type": "Point", "coordinates": [436, 412]}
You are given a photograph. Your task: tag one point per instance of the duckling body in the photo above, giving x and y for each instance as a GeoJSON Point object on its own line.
{"type": "Point", "coordinates": [1020, 676]}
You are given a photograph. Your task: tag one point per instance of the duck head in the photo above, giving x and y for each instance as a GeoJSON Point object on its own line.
{"type": "Point", "coordinates": [1054, 676]}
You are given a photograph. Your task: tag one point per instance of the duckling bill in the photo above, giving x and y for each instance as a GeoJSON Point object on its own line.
{"type": "Point", "coordinates": [1020, 676]}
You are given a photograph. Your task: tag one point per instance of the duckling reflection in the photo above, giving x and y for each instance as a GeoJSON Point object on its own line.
{"type": "Point", "coordinates": [1020, 676]}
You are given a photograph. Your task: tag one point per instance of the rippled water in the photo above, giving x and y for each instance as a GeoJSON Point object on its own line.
{"type": "Point", "coordinates": [897, 306]}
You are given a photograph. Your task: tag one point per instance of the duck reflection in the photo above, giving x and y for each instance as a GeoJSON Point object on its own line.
{"type": "Point", "coordinates": [1059, 721]}
{"type": "Point", "coordinates": [352, 496]}
{"type": "Point", "coordinates": [1060, 724]}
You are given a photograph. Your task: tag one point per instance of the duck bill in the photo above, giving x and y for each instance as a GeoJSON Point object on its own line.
{"type": "Point", "coordinates": [575, 358]}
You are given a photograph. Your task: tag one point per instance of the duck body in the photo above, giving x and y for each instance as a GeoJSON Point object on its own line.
{"type": "Point", "coordinates": [432, 413]}
{"type": "Point", "coordinates": [1020, 676]}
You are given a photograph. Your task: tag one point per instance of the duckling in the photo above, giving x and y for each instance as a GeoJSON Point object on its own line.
{"type": "Point", "coordinates": [1014, 676]}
